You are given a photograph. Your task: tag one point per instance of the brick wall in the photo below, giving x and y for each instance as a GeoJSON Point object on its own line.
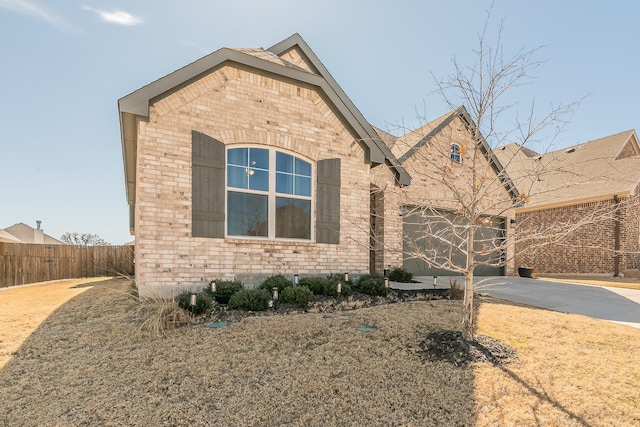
{"type": "Point", "coordinates": [587, 250]}
{"type": "Point", "coordinates": [631, 233]}
{"type": "Point", "coordinates": [239, 106]}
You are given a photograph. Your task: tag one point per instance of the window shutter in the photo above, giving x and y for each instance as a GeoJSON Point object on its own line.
{"type": "Point", "coordinates": [208, 168]}
{"type": "Point", "coordinates": [328, 201]}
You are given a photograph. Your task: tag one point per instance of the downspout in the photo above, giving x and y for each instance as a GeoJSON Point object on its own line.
{"type": "Point", "coordinates": [616, 259]}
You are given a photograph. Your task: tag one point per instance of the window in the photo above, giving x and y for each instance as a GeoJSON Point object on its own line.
{"type": "Point", "coordinates": [455, 153]}
{"type": "Point", "coordinates": [268, 194]}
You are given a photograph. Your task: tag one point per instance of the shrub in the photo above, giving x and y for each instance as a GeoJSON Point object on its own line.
{"type": "Point", "coordinates": [455, 290]}
{"type": "Point", "coordinates": [204, 302]}
{"type": "Point", "coordinates": [296, 296]}
{"type": "Point", "coordinates": [315, 284]}
{"type": "Point", "coordinates": [372, 284]}
{"type": "Point", "coordinates": [331, 288]}
{"type": "Point", "coordinates": [224, 290]}
{"type": "Point", "coordinates": [250, 300]}
{"type": "Point", "coordinates": [160, 315]}
{"type": "Point", "coordinates": [399, 274]}
{"type": "Point", "coordinates": [277, 281]}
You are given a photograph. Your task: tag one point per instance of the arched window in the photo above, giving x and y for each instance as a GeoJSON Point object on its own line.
{"type": "Point", "coordinates": [269, 194]}
{"type": "Point", "coordinates": [455, 153]}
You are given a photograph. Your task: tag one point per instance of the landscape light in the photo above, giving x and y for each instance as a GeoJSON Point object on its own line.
{"type": "Point", "coordinates": [339, 288]}
{"type": "Point", "coordinates": [213, 287]}
{"type": "Point", "coordinates": [386, 282]}
{"type": "Point", "coordinates": [192, 299]}
{"type": "Point", "coordinates": [435, 281]}
{"type": "Point", "coordinates": [275, 293]}
{"type": "Point", "coordinates": [346, 277]}
{"type": "Point", "coordinates": [296, 280]}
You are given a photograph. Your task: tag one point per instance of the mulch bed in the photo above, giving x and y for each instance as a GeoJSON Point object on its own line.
{"type": "Point", "coordinates": [450, 346]}
{"type": "Point", "coordinates": [325, 304]}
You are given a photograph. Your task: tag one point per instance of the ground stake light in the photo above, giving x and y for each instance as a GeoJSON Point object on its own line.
{"type": "Point", "coordinates": [296, 280]}
{"type": "Point", "coordinates": [192, 299]}
{"type": "Point", "coordinates": [346, 277]}
{"type": "Point", "coordinates": [339, 288]}
{"type": "Point", "coordinates": [435, 281]}
{"type": "Point", "coordinates": [213, 287]}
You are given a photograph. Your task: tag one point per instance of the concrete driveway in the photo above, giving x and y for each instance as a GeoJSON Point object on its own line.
{"type": "Point", "coordinates": [614, 304]}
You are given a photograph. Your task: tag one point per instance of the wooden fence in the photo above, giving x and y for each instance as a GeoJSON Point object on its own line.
{"type": "Point", "coordinates": [22, 263]}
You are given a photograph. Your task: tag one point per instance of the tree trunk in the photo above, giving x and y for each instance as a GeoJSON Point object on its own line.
{"type": "Point", "coordinates": [467, 308]}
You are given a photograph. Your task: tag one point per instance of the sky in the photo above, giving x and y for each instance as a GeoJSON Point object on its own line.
{"type": "Point", "coordinates": [64, 65]}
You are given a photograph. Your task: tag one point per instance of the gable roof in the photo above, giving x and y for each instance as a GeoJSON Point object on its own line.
{"type": "Point", "coordinates": [26, 234]}
{"type": "Point", "coordinates": [594, 170]}
{"type": "Point", "coordinates": [135, 106]}
{"type": "Point", "coordinates": [6, 237]}
{"type": "Point", "coordinates": [405, 146]}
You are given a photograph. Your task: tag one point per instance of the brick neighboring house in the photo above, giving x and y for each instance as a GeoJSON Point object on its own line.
{"type": "Point", "coordinates": [568, 184]}
{"type": "Point", "coordinates": [252, 162]}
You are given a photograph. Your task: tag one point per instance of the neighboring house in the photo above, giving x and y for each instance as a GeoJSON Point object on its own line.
{"type": "Point", "coordinates": [26, 234]}
{"type": "Point", "coordinates": [252, 162]}
{"type": "Point", "coordinates": [570, 184]}
{"type": "Point", "coordinates": [8, 238]}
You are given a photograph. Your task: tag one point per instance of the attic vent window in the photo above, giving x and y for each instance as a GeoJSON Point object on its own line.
{"type": "Point", "coordinates": [570, 150]}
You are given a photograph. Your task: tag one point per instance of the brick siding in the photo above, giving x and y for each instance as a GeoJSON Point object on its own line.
{"type": "Point", "coordinates": [238, 106]}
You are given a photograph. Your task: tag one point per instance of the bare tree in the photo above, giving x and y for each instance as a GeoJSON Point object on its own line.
{"type": "Point", "coordinates": [463, 228]}
{"type": "Point", "coordinates": [83, 239]}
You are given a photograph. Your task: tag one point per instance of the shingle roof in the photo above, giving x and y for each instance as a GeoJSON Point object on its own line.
{"type": "Point", "coordinates": [593, 170]}
{"type": "Point", "coordinates": [268, 56]}
{"type": "Point", "coordinates": [25, 234]}
{"type": "Point", "coordinates": [8, 237]}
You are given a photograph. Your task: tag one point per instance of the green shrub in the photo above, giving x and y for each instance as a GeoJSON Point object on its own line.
{"type": "Point", "coordinates": [399, 274]}
{"type": "Point", "coordinates": [296, 296]}
{"type": "Point", "coordinates": [277, 281]}
{"type": "Point", "coordinates": [372, 284]}
{"type": "Point", "coordinates": [331, 288]}
{"type": "Point", "coordinates": [315, 284]}
{"type": "Point", "coordinates": [204, 302]}
{"type": "Point", "coordinates": [224, 290]}
{"type": "Point", "coordinates": [250, 300]}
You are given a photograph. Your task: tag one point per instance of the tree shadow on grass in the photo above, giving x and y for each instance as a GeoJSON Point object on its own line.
{"type": "Point", "coordinates": [88, 364]}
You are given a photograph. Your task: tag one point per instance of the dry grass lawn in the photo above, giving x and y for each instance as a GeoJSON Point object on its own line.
{"type": "Point", "coordinates": [23, 308]}
{"type": "Point", "coordinates": [87, 364]}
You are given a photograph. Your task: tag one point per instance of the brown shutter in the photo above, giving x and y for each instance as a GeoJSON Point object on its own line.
{"type": "Point", "coordinates": [208, 169]}
{"type": "Point", "coordinates": [328, 201]}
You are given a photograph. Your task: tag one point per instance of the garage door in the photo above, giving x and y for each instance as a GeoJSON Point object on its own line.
{"type": "Point", "coordinates": [429, 232]}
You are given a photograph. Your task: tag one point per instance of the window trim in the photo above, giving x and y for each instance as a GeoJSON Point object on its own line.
{"type": "Point", "coordinates": [271, 196]}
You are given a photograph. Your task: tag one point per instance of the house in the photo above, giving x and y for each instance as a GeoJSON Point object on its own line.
{"type": "Point", "coordinates": [26, 234]}
{"type": "Point", "coordinates": [252, 162]}
{"type": "Point", "coordinates": [8, 238]}
{"type": "Point", "coordinates": [570, 185]}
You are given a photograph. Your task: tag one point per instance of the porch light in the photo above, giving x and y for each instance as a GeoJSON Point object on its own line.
{"type": "Point", "coordinates": [435, 281]}
{"type": "Point", "coordinates": [296, 280]}
{"type": "Point", "coordinates": [386, 272]}
{"type": "Point", "coordinates": [512, 222]}
{"type": "Point", "coordinates": [346, 277]}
